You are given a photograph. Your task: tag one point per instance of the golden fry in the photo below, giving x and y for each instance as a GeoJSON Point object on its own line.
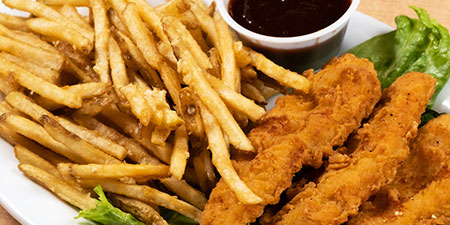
{"type": "Point", "coordinates": [150, 16]}
{"type": "Point", "coordinates": [68, 2]}
{"type": "Point", "coordinates": [85, 151]}
{"type": "Point", "coordinates": [141, 36]}
{"type": "Point", "coordinates": [13, 22]}
{"type": "Point", "coordinates": [25, 156]}
{"type": "Point", "coordinates": [42, 72]}
{"type": "Point", "coordinates": [140, 210]}
{"type": "Point", "coordinates": [180, 153]}
{"type": "Point", "coordinates": [100, 171]}
{"type": "Point", "coordinates": [283, 76]}
{"type": "Point", "coordinates": [63, 190]}
{"type": "Point", "coordinates": [252, 92]}
{"type": "Point", "coordinates": [40, 86]}
{"type": "Point", "coordinates": [102, 39]}
{"type": "Point", "coordinates": [135, 151]}
{"type": "Point", "coordinates": [118, 69]}
{"type": "Point", "coordinates": [60, 31]}
{"type": "Point", "coordinates": [185, 191]}
{"type": "Point", "coordinates": [31, 53]}
{"type": "Point", "coordinates": [231, 76]}
{"type": "Point", "coordinates": [194, 77]}
{"type": "Point", "coordinates": [221, 159]}
{"type": "Point", "coordinates": [94, 138]}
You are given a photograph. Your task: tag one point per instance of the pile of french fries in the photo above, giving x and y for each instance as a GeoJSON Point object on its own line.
{"type": "Point", "coordinates": [131, 97]}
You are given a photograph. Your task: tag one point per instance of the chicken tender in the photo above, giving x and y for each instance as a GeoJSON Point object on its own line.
{"type": "Point", "coordinates": [377, 151]}
{"type": "Point", "coordinates": [429, 158]}
{"type": "Point", "coordinates": [299, 131]}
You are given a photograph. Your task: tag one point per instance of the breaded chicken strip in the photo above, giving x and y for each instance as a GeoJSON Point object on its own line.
{"type": "Point", "coordinates": [298, 131]}
{"type": "Point", "coordinates": [429, 158]}
{"type": "Point", "coordinates": [430, 206]}
{"type": "Point", "coordinates": [378, 149]}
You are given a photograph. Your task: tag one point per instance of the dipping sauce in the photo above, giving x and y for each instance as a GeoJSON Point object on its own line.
{"type": "Point", "coordinates": [287, 18]}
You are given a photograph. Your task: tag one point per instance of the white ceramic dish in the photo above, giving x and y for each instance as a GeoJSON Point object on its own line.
{"type": "Point", "coordinates": [31, 204]}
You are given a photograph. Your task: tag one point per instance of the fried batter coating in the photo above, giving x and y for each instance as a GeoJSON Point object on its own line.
{"type": "Point", "coordinates": [429, 159]}
{"type": "Point", "coordinates": [299, 131]}
{"type": "Point", "coordinates": [377, 151]}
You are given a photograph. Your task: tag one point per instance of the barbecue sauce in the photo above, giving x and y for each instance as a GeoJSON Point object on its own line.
{"type": "Point", "coordinates": [287, 18]}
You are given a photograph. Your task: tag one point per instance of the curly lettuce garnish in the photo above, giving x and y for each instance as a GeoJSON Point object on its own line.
{"type": "Point", "coordinates": [107, 214]}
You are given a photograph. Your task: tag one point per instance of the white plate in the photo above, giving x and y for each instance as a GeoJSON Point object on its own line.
{"type": "Point", "coordinates": [31, 204]}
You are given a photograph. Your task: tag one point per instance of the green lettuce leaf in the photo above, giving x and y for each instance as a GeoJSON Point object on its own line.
{"type": "Point", "coordinates": [174, 218]}
{"type": "Point", "coordinates": [421, 45]}
{"type": "Point", "coordinates": [107, 214]}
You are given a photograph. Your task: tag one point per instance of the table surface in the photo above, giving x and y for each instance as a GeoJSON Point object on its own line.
{"type": "Point", "coordinates": [383, 10]}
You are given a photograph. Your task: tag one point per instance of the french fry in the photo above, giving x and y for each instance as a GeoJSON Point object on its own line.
{"type": "Point", "coordinates": [135, 151]}
{"type": "Point", "coordinates": [249, 74]}
{"type": "Point", "coordinates": [13, 22]}
{"type": "Point", "coordinates": [252, 92]}
{"type": "Point", "coordinates": [283, 76]}
{"type": "Point", "coordinates": [141, 36]}
{"type": "Point", "coordinates": [116, 20]}
{"type": "Point", "coordinates": [146, 194]}
{"type": "Point", "coordinates": [150, 16]}
{"type": "Point", "coordinates": [94, 138]}
{"type": "Point", "coordinates": [40, 86]}
{"type": "Point", "coordinates": [267, 92]}
{"type": "Point", "coordinates": [33, 54]}
{"type": "Point", "coordinates": [205, 20]}
{"type": "Point", "coordinates": [58, 187]}
{"type": "Point", "coordinates": [242, 58]}
{"type": "Point", "coordinates": [197, 34]}
{"type": "Point", "coordinates": [118, 71]}
{"type": "Point", "coordinates": [95, 105]}
{"type": "Point", "coordinates": [66, 2]}
{"type": "Point", "coordinates": [131, 126]}
{"type": "Point", "coordinates": [86, 152]}
{"type": "Point", "coordinates": [185, 191]}
{"type": "Point", "coordinates": [138, 103]}
{"type": "Point", "coordinates": [37, 133]}
{"type": "Point", "coordinates": [82, 74]}
{"type": "Point", "coordinates": [231, 76]}
{"type": "Point", "coordinates": [28, 38]}
{"type": "Point", "coordinates": [160, 135]}
{"type": "Point", "coordinates": [139, 209]}
{"type": "Point", "coordinates": [60, 31]}
{"type": "Point", "coordinates": [102, 39]}
{"type": "Point", "coordinates": [88, 90]}
{"type": "Point", "coordinates": [172, 83]}
{"type": "Point", "coordinates": [201, 169]}
{"type": "Point", "coordinates": [25, 156]}
{"type": "Point", "coordinates": [200, 56]}
{"type": "Point", "coordinates": [194, 77]}
{"type": "Point", "coordinates": [8, 84]}
{"type": "Point", "coordinates": [41, 10]}
{"type": "Point", "coordinates": [180, 153]}
{"type": "Point", "coordinates": [221, 159]}
{"type": "Point", "coordinates": [42, 72]}
{"type": "Point", "coordinates": [100, 171]}
{"type": "Point", "coordinates": [47, 154]}
{"type": "Point", "coordinates": [214, 58]}
{"type": "Point", "coordinates": [128, 46]}
{"type": "Point", "coordinates": [173, 8]}
{"type": "Point", "coordinates": [236, 101]}
{"type": "Point", "coordinates": [191, 114]}
{"type": "Point", "coordinates": [71, 12]}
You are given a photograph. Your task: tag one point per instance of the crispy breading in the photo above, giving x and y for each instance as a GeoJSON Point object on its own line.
{"type": "Point", "coordinates": [299, 131]}
{"type": "Point", "coordinates": [377, 151]}
{"type": "Point", "coordinates": [430, 156]}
